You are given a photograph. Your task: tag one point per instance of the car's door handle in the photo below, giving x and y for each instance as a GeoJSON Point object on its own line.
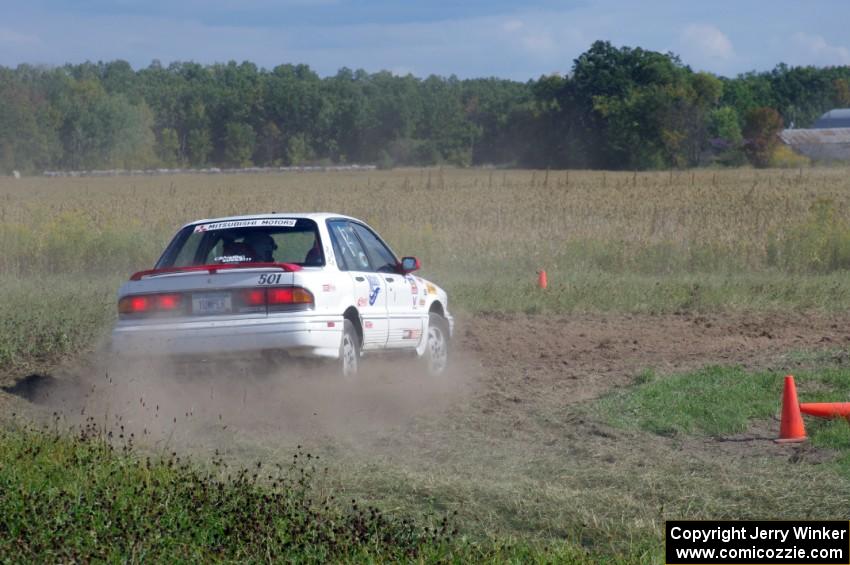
{"type": "Point", "coordinates": [359, 279]}
{"type": "Point", "coordinates": [389, 279]}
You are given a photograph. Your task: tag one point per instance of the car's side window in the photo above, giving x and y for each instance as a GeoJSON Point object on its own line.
{"type": "Point", "coordinates": [347, 247]}
{"type": "Point", "coordinates": [381, 258]}
{"type": "Point", "coordinates": [341, 261]}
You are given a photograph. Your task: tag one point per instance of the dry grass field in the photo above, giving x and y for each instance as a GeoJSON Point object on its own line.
{"type": "Point", "coordinates": [619, 242]}
{"type": "Point", "coordinates": [642, 385]}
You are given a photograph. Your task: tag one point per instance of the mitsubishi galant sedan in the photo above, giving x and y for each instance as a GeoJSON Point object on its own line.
{"type": "Point", "coordinates": [311, 285]}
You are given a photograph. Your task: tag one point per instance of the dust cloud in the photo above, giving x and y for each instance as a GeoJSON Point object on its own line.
{"type": "Point", "coordinates": [242, 404]}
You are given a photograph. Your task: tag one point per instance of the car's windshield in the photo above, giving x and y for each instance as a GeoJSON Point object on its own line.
{"type": "Point", "coordinates": [264, 240]}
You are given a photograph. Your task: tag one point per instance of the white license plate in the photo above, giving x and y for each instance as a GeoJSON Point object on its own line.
{"type": "Point", "coordinates": [211, 303]}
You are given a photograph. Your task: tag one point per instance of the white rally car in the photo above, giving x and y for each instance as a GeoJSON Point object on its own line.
{"type": "Point", "coordinates": [312, 285]}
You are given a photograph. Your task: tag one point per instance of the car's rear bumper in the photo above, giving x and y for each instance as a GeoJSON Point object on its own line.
{"type": "Point", "coordinates": [301, 336]}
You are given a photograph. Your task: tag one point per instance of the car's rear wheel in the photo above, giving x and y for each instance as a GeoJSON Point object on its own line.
{"type": "Point", "coordinates": [437, 347]}
{"type": "Point", "coordinates": [349, 350]}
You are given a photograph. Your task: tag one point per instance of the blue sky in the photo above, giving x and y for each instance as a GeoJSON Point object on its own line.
{"type": "Point", "coordinates": [471, 38]}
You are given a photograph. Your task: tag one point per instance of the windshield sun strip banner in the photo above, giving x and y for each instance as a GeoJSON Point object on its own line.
{"type": "Point", "coordinates": [259, 222]}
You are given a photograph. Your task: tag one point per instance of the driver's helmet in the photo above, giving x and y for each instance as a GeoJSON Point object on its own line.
{"type": "Point", "coordinates": [263, 245]}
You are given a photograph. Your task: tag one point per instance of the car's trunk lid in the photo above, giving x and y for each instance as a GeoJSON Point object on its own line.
{"type": "Point", "coordinates": [224, 293]}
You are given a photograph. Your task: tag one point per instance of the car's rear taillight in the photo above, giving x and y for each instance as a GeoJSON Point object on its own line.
{"type": "Point", "coordinates": [288, 297]}
{"type": "Point", "coordinates": [168, 302]}
{"type": "Point", "coordinates": [254, 298]}
{"type": "Point", "coordinates": [273, 298]}
{"type": "Point", "coordinates": [134, 304]}
{"type": "Point", "coordinates": [150, 303]}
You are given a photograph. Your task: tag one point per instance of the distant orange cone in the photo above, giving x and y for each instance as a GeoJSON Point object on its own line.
{"type": "Point", "coordinates": [826, 409]}
{"type": "Point", "coordinates": [791, 428]}
{"type": "Point", "coordinates": [542, 281]}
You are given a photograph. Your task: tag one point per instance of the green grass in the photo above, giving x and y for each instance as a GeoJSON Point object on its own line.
{"type": "Point", "coordinates": [834, 434]}
{"type": "Point", "coordinates": [577, 290]}
{"type": "Point", "coordinates": [722, 401]}
{"type": "Point", "coordinates": [43, 319]}
{"type": "Point", "coordinates": [713, 401]}
{"type": "Point", "coordinates": [77, 498]}
{"type": "Point", "coordinates": [720, 462]}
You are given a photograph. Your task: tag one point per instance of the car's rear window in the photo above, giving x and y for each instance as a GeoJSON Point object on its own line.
{"type": "Point", "coordinates": [263, 240]}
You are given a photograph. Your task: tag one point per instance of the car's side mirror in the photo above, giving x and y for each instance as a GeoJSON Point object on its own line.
{"type": "Point", "coordinates": [410, 264]}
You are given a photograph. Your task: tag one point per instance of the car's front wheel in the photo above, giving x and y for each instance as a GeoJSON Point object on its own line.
{"type": "Point", "coordinates": [349, 350]}
{"type": "Point", "coordinates": [437, 347]}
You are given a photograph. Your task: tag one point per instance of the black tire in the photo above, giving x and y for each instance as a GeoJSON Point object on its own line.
{"type": "Point", "coordinates": [349, 350]}
{"type": "Point", "coordinates": [436, 355]}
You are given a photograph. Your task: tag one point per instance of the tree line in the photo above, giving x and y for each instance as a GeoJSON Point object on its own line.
{"type": "Point", "coordinates": [617, 108]}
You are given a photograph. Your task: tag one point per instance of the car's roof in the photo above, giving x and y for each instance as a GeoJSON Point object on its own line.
{"type": "Point", "coordinates": [315, 216]}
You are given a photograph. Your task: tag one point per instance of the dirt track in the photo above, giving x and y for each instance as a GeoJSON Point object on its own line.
{"type": "Point", "coordinates": [582, 356]}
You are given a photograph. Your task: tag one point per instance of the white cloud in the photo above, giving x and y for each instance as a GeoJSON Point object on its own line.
{"type": "Point", "coordinates": [706, 42]}
{"type": "Point", "coordinates": [535, 35]}
{"type": "Point", "coordinates": [816, 49]}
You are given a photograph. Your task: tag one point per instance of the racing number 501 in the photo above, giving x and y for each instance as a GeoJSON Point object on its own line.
{"type": "Point", "coordinates": [269, 279]}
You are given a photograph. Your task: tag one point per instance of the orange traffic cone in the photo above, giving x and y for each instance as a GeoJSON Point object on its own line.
{"type": "Point", "coordinates": [826, 409]}
{"type": "Point", "coordinates": [542, 281]}
{"type": "Point", "coordinates": [791, 428]}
